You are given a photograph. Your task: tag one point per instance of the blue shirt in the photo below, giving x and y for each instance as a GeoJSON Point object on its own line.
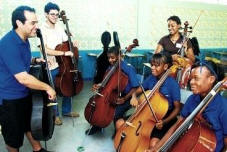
{"type": "Point", "coordinates": [215, 114]}
{"type": "Point", "coordinates": [169, 89]}
{"type": "Point", "coordinates": [15, 57]}
{"type": "Point", "coordinates": [130, 71]}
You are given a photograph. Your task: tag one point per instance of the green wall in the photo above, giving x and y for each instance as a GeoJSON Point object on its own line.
{"type": "Point", "coordinates": [142, 19]}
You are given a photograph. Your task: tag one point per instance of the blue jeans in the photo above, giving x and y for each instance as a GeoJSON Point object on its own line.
{"type": "Point", "coordinates": [66, 101]}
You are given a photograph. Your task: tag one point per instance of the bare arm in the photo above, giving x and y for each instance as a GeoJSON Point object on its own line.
{"type": "Point", "coordinates": [31, 82]}
{"type": "Point", "coordinates": [173, 114]}
{"type": "Point", "coordinates": [134, 101]}
{"type": "Point", "coordinates": [168, 134]}
{"type": "Point", "coordinates": [57, 52]}
{"type": "Point", "coordinates": [122, 100]}
{"type": "Point", "coordinates": [158, 49]}
{"type": "Point", "coordinates": [190, 55]}
{"type": "Point", "coordinates": [130, 93]}
{"type": "Point", "coordinates": [54, 52]}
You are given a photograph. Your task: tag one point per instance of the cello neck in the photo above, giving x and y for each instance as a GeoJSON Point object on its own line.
{"type": "Point", "coordinates": [74, 60]}
{"type": "Point", "coordinates": [110, 73]}
{"type": "Point", "coordinates": [117, 64]}
{"type": "Point", "coordinates": [181, 51]}
{"type": "Point", "coordinates": [159, 83]}
{"type": "Point", "coordinates": [189, 120]}
{"type": "Point", "coordinates": [147, 97]}
{"type": "Point", "coordinates": [65, 21]}
{"type": "Point", "coordinates": [69, 36]}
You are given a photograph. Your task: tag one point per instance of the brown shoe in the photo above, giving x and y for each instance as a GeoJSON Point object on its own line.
{"type": "Point", "coordinates": [72, 114]}
{"type": "Point", "coordinates": [58, 121]}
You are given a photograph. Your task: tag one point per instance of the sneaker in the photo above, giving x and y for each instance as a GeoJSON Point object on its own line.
{"type": "Point", "coordinates": [72, 114]}
{"type": "Point", "coordinates": [93, 130]}
{"type": "Point", "coordinates": [58, 121]}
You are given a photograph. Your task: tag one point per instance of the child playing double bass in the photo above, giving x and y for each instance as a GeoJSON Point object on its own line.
{"type": "Point", "coordinates": [122, 102]}
{"type": "Point", "coordinates": [169, 89]}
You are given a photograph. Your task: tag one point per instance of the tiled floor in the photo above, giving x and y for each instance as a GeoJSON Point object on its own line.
{"type": "Point", "coordinates": [71, 135]}
{"type": "Point", "coordinates": [68, 138]}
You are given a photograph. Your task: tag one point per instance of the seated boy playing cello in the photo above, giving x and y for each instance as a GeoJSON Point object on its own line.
{"type": "Point", "coordinates": [122, 102]}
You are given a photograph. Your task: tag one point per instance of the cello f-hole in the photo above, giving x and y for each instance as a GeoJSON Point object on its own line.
{"type": "Point", "coordinates": [137, 130]}
{"type": "Point", "coordinates": [123, 135]}
{"type": "Point", "coordinates": [93, 105]}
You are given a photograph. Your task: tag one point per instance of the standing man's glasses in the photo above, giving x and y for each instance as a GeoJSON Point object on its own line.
{"type": "Point", "coordinates": [53, 14]}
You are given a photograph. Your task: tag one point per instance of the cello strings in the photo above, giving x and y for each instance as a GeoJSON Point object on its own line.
{"type": "Point", "coordinates": [141, 106]}
{"type": "Point", "coordinates": [189, 120]}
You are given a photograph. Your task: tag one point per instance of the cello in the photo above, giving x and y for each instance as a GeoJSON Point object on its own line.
{"type": "Point", "coordinates": [43, 115]}
{"type": "Point", "coordinates": [182, 67]}
{"type": "Point", "coordinates": [134, 134]}
{"type": "Point", "coordinates": [69, 81]}
{"type": "Point", "coordinates": [195, 134]}
{"type": "Point", "coordinates": [101, 106]}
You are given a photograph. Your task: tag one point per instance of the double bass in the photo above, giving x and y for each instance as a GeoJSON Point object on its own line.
{"type": "Point", "coordinates": [182, 66]}
{"type": "Point", "coordinates": [69, 81]}
{"type": "Point", "coordinates": [194, 134]}
{"type": "Point", "coordinates": [101, 106]}
{"type": "Point", "coordinates": [134, 134]}
{"type": "Point", "coordinates": [43, 115]}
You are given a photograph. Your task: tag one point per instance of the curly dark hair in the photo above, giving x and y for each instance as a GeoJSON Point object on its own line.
{"type": "Point", "coordinates": [51, 6]}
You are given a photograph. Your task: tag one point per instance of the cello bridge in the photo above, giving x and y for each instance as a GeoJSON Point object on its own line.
{"type": "Point", "coordinates": [130, 124]}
